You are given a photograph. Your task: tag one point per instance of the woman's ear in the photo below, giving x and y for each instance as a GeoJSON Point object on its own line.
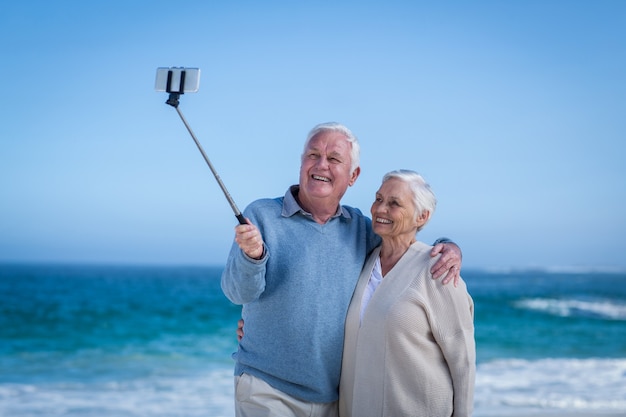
{"type": "Point", "coordinates": [422, 219]}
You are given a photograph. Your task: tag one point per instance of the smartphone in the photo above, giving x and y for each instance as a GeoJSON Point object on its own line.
{"type": "Point", "coordinates": [177, 80]}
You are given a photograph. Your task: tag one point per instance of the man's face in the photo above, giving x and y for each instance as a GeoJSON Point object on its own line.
{"type": "Point", "coordinates": [325, 170]}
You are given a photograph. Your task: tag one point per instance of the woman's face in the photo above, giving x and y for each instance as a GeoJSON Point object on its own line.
{"type": "Point", "coordinates": [393, 211]}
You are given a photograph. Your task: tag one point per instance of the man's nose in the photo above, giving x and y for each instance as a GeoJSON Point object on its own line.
{"type": "Point", "coordinates": [322, 162]}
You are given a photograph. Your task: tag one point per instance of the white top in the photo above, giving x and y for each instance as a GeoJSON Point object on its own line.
{"type": "Point", "coordinates": [375, 278]}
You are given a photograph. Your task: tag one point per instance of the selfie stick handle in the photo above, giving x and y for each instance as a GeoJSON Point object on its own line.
{"type": "Point", "coordinates": [173, 101]}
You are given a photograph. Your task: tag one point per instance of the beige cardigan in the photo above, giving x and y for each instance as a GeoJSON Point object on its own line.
{"type": "Point", "coordinates": [414, 354]}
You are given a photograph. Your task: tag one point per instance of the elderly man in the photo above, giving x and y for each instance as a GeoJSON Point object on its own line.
{"type": "Point", "coordinates": [294, 268]}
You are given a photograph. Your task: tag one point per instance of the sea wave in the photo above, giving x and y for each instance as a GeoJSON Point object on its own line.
{"type": "Point", "coordinates": [603, 309]}
{"type": "Point", "coordinates": [504, 387]}
{"type": "Point", "coordinates": [511, 386]}
{"type": "Point", "coordinates": [210, 394]}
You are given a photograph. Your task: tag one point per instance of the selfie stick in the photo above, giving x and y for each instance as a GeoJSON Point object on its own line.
{"type": "Point", "coordinates": [173, 101]}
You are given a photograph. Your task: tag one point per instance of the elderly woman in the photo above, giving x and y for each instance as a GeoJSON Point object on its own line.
{"type": "Point", "coordinates": [409, 340]}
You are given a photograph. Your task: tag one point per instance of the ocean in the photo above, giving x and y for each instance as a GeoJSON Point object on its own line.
{"type": "Point", "coordinates": [107, 341]}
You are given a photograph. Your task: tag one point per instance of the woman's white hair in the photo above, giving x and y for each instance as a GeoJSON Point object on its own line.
{"type": "Point", "coordinates": [423, 196]}
{"type": "Point", "coordinates": [355, 150]}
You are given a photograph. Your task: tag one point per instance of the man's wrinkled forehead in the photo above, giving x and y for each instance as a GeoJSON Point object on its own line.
{"type": "Point", "coordinates": [330, 141]}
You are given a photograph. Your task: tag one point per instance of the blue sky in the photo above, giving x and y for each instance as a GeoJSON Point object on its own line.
{"type": "Point", "coordinates": [513, 111]}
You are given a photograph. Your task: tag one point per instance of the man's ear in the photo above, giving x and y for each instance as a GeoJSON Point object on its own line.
{"type": "Point", "coordinates": [354, 176]}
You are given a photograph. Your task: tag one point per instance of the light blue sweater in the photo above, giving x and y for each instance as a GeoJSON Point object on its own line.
{"type": "Point", "coordinates": [295, 299]}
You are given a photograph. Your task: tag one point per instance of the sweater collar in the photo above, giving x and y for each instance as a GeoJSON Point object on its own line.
{"type": "Point", "coordinates": [291, 206]}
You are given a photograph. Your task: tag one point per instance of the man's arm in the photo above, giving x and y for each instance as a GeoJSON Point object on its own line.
{"type": "Point", "coordinates": [449, 264]}
{"type": "Point", "coordinates": [243, 278]}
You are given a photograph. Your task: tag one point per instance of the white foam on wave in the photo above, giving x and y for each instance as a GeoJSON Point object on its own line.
{"type": "Point", "coordinates": [507, 387]}
{"type": "Point", "coordinates": [206, 395]}
{"type": "Point", "coordinates": [503, 388]}
{"type": "Point", "coordinates": [606, 309]}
